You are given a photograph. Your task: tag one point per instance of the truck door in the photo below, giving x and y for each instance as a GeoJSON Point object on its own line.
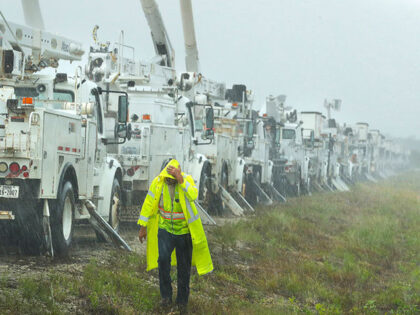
{"type": "Point", "coordinates": [92, 138]}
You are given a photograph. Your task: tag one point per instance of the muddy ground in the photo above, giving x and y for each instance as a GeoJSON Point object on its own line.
{"type": "Point", "coordinates": [14, 265]}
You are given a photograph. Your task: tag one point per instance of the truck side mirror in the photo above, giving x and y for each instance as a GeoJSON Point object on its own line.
{"type": "Point", "coordinates": [209, 132]}
{"type": "Point", "coordinates": [123, 131]}
{"type": "Point", "coordinates": [122, 109]}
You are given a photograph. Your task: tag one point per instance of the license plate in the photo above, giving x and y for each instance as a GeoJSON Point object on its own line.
{"type": "Point", "coordinates": [8, 191]}
{"type": "Point", "coordinates": [6, 215]}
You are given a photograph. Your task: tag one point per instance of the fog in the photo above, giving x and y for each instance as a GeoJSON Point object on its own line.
{"type": "Point", "coordinates": [364, 52]}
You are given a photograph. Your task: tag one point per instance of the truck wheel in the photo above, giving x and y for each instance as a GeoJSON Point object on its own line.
{"type": "Point", "coordinates": [298, 185]}
{"type": "Point", "coordinates": [62, 220]}
{"type": "Point", "coordinates": [249, 191]}
{"type": "Point", "coordinates": [224, 181]}
{"type": "Point", "coordinates": [115, 206]}
{"type": "Point", "coordinates": [308, 186]}
{"type": "Point", "coordinates": [204, 190]}
{"type": "Point", "coordinates": [283, 185]}
{"type": "Point", "coordinates": [298, 191]}
{"type": "Point", "coordinates": [114, 209]}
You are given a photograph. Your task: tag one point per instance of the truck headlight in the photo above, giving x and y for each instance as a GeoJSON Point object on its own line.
{"type": "Point", "coordinates": [3, 167]}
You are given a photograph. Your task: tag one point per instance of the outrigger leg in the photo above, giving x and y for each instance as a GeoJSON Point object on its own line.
{"type": "Point", "coordinates": [241, 200]}
{"type": "Point", "coordinates": [205, 217]}
{"type": "Point", "coordinates": [266, 199]}
{"type": "Point", "coordinates": [230, 202]}
{"type": "Point", "coordinates": [102, 227]}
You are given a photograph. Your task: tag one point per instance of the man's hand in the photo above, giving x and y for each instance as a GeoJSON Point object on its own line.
{"type": "Point", "coordinates": [176, 172]}
{"type": "Point", "coordinates": [142, 234]}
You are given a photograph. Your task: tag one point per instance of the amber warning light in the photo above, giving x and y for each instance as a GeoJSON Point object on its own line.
{"type": "Point", "coordinates": [27, 101]}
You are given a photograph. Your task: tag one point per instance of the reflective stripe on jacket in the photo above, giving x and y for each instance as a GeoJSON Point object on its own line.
{"type": "Point", "coordinates": [172, 218]}
{"type": "Point", "coordinates": [150, 215]}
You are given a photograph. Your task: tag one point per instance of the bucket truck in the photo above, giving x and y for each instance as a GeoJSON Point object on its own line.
{"type": "Point", "coordinates": [287, 153]}
{"type": "Point", "coordinates": [362, 132]}
{"type": "Point", "coordinates": [312, 140]}
{"type": "Point", "coordinates": [220, 177]}
{"type": "Point", "coordinates": [254, 146]}
{"type": "Point", "coordinates": [373, 154]}
{"type": "Point", "coordinates": [54, 168]}
{"type": "Point", "coordinates": [161, 118]}
{"type": "Point", "coordinates": [330, 167]}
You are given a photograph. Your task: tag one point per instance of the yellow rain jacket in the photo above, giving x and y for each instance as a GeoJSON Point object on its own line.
{"type": "Point", "coordinates": [149, 217]}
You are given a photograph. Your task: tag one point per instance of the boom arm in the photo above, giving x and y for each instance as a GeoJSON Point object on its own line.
{"type": "Point", "coordinates": [32, 13]}
{"type": "Point", "coordinates": [161, 42]}
{"type": "Point", "coordinates": [30, 48]}
{"type": "Point", "coordinates": [191, 51]}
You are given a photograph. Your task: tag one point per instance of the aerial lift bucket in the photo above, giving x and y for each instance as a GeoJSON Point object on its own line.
{"type": "Point", "coordinates": [103, 228]}
{"type": "Point", "coordinates": [205, 217]}
{"type": "Point", "coordinates": [262, 194]}
{"type": "Point", "coordinates": [230, 202]}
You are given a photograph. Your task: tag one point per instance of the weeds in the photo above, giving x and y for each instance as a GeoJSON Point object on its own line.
{"type": "Point", "coordinates": [355, 252]}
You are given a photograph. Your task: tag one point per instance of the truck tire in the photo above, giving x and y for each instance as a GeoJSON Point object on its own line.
{"type": "Point", "coordinates": [298, 185]}
{"type": "Point", "coordinates": [224, 181]}
{"type": "Point", "coordinates": [249, 191]}
{"type": "Point", "coordinates": [204, 190]}
{"type": "Point", "coordinates": [115, 206]}
{"type": "Point", "coordinates": [62, 219]}
{"type": "Point", "coordinates": [114, 209]}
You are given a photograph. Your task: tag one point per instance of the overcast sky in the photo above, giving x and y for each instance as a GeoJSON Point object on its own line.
{"type": "Point", "coordinates": [365, 52]}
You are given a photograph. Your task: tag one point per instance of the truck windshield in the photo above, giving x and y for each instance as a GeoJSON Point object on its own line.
{"type": "Point", "coordinates": [249, 129]}
{"type": "Point", "coordinates": [199, 118]}
{"type": "Point", "coordinates": [288, 134]}
{"type": "Point", "coordinates": [41, 99]}
{"type": "Point", "coordinates": [277, 136]}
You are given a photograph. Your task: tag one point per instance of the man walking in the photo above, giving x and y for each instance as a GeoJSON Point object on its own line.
{"type": "Point", "coordinates": [169, 220]}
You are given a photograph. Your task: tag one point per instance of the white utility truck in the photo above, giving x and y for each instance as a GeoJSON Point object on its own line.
{"type": "Point", "coordinates": [255, 152]}
{"type": "Point", "coordinates": [53, 157]}
{"type": "Point", "coordinates": [312, 123]}
{"type": "Point", "coordinates": [289, 177]}
{"type": "Point", "coordinates": [161, 120]}
{"type": "Point", "coordinates": [220, 180]}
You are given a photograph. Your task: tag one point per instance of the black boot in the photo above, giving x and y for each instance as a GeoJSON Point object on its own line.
{"type": "Point", "coordinates": [182, 309]}
{"type": "Point", "coordinates": [166, 304]}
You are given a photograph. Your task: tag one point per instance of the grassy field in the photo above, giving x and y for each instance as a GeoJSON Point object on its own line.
{"type": "Point", "coordinates": [353, 253]}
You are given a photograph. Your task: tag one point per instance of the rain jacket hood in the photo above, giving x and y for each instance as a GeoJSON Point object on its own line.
{"type": "Point", "coordinates": [164, 173]}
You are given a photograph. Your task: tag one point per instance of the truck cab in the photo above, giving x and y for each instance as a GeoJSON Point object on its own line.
{"type": "Point", "coordinates": [52, 144]}
{"type": "Point", "coordinates": [53, 153]}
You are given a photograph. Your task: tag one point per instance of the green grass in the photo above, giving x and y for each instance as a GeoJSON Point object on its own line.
{"type": "Point", "coordinates": [356, 253]}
